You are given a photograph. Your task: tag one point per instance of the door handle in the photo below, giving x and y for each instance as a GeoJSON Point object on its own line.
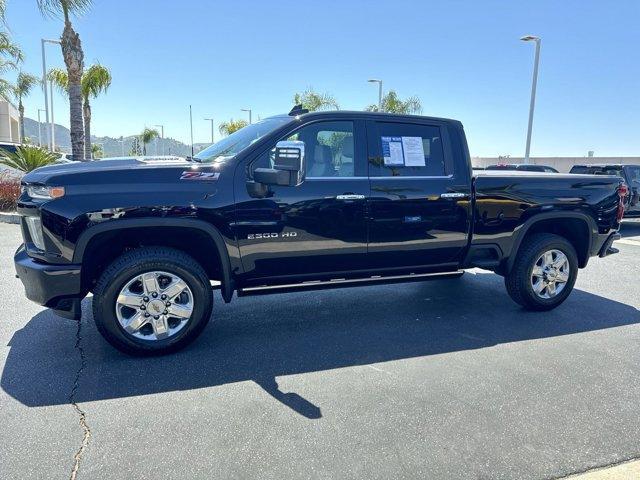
{"type": "Point", "coordinates": [350, 196]}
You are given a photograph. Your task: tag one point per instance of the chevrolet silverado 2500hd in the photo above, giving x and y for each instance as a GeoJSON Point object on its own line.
{"type": "Point", "coordinates": [294, 202]}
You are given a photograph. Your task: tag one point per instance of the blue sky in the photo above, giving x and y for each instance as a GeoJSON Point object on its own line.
{"type": "Point", "coordinates": [462, 58]}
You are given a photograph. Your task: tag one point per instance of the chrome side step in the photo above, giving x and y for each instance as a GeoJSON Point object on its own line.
{"type": "Point", "coordinates": [345, 283]}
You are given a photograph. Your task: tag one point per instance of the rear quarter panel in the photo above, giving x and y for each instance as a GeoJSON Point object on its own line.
{"type": "Point", "coordinates": [507, 203]}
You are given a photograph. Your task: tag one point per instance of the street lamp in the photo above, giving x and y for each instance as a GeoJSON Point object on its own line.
{"type": "Point", "coordinates": [211, 120]}
{"type": "Point", "coordinates": [379, 82]}
{"type": "Point", "coordinates": [532, 38]}
{"type": "Point", "coordinates": [161, 137]}
{"type": "Point", "coordinates": [247, 110]}
{"type": "Point", "coordinates": [121, 142]}
{"type": "Point", "coordinates": [40, 128]}
{"type": "Point", "coordinates": [44, 87]}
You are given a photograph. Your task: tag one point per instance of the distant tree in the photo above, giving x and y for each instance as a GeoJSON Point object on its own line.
{"type": "Point", "coordinates": [312, 100]}
{"type": "Point", "coordinates": [24, 84]}
{"type": "Point", "coordinates": [135, 147]}
{"type": "Point", "coordinates": [95, 80]}
{"type": "Point", "coordinates": [147, 136]}
{"type": "Point", "coordinates": [392, 103]}
{"type": "Point", "coordinates": [96, 151]}
{"type": "Point", "coordinates": [227, 128]}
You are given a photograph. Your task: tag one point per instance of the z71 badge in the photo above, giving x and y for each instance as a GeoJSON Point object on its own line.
{"type": "Point", "coordinates": [266, 236]}
{"type": "Point", "coordinates": [202, 176]}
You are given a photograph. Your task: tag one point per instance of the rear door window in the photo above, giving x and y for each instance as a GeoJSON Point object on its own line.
{"type": "Point", "coordinates": [407, 150]}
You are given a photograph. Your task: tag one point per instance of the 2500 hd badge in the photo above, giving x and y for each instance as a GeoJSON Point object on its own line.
{"type": "Point", "coordinates": [261, 236]}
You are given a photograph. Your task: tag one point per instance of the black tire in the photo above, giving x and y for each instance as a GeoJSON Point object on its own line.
{"type": "Point", "coordinates": [518, 280]}
{"type": "Point", "coordinates": [136, 262]}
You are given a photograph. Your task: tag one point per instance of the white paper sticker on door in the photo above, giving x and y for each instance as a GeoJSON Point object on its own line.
{"type": "Point", "coordinates": [413, 151]}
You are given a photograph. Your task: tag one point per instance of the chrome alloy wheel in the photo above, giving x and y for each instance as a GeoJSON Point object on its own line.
{"type": "Point", "coordinates": [550, 274]}
{"type": "Point", "coordinates": [154, 305]}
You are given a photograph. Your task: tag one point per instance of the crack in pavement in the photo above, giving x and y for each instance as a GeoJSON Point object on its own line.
{"type": "Point", "coordinates": [81, 414]}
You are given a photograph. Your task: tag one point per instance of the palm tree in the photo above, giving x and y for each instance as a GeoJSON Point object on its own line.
{"type": "Point", "coordinates": [74, 61]}
{"type": "Point", "coordinates": [10, 57]}
{"type": "Point", "coordinates": [24, 84]}
{"type": "Point", "coordinates": [95, 80]}
{"type": "Point", "coordinates": [147, 135]}
{"type": "Point", "coordinates": [392, 103]}
{"type": "Point", "coordinates": [227, 128]}
{"type": "Point", "coordinates": [96, 151]}
{"type": "Point", "coordinates": [27, 158]}
{"type": "Point", "coordinates": [313, 101]}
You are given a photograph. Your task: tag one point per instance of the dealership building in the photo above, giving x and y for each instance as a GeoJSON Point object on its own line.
{"type": "Point", "coordinates": [9, 122]}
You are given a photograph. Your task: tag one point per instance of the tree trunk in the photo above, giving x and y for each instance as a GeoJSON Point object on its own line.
{"type": "Point", "coordinates": [21, 113]}
{"type": "Point", "coordinates": [74, 60]}
{"type": "Point", "coordinates": [86, 113]}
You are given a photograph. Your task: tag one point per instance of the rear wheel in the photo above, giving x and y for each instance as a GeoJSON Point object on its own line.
{"type": "Point", "coordinates": [544, 272]}
{"type": "Point", "coordinates": [152, 300]}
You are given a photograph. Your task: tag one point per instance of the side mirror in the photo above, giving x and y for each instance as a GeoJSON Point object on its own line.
{"type": "Point", "coordinates": [289, 166]}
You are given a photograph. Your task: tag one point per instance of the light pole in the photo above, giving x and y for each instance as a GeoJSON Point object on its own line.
{"type": "Point", "coordinates": [53, 122]}
{"type": "Point", "coordinates": [40, 128]}
{"type": "Point", "coordinates": [379, 82]}
{"type": "Point", "coordinates": [532, 38]}
{"type": "Point", "coordinates": [44, 87]}
{"type": "Point", "coordinates": [161, 137]}
{"type": "Point", "coordinates": [211, 120]}
{"type": "Point", "coordinates": [121, 141]}
{"type": "Point", "coordinates": [247, 110]}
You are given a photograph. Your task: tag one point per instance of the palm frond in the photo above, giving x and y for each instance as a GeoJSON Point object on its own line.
{"type": "Point", "coordinates": [149, 134]}
{"type": "Point", "coordinates": [60, 79]}
{"type": "Point", "coordinates": [25, 83]}
{"type": "Point", "coordinates": [55, 8]}
{"type": "Point", "coordinates": [9, 49]}
{"type": "Point", "coordinates": [27, 158]}
{"type": "Point", "coordinates": [95, 80]}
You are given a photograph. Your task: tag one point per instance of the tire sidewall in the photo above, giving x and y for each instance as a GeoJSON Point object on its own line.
{"type": "Point", "coordinates": [568, 250]}
{"type": "Point", "coordinates": [105, 308]}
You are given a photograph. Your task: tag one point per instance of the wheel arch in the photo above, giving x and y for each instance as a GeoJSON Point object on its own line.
{"type": "Point", "coordinates": [218, 267]}
{"type": "Point", "coordinates": [578, 228]}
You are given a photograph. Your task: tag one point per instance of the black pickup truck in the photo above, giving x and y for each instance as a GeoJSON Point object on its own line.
{"type": "Point", "coordinates": [294, 202]}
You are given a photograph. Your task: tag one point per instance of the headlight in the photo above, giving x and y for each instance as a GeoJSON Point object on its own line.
{"type": "Point", "coordinates": [35, 231]}
{"type": "Point", "coordinates": [41, 192]}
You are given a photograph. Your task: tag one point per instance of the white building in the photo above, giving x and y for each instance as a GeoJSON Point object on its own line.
{"type": "Point", "coordinates": [9, 122]}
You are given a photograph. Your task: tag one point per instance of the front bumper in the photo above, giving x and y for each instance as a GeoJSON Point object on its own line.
{"type": "Point", "coordinates": [58, 287]}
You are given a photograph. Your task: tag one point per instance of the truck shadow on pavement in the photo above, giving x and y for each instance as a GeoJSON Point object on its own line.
{"type": "Point", "coordinates": [262, 338]}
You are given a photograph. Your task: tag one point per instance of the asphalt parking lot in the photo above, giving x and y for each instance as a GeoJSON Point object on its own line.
{"type": "Point", "coordinates": [443, 379]}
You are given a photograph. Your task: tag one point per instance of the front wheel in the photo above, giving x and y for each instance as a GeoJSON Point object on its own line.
{"type": "Point", "coordinates": [544, 272]}
{"type": "Point", "coordinates": [152, 301]}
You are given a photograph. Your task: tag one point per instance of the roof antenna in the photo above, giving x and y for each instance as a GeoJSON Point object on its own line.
{"type": "Point", "coordinates": [298, 110]}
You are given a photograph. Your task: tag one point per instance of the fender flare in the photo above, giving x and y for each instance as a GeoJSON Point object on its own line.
{"type": "Point", "coordinates": [521, 231]}
{"type": "Point", "coordinates": [227, 286]}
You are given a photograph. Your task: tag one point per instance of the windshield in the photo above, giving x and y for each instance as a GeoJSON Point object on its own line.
{"type": "Point", "coordinates": [238, 141]}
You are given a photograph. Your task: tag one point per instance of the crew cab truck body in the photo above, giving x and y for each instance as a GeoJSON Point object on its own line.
{"type": "Point", "coordinates": [299, 201]}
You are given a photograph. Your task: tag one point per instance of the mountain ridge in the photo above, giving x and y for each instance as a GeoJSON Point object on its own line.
{"type": "Point", "coordinates": [112, 147]}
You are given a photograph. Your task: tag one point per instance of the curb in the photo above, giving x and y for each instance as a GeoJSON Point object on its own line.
{"type": "Point", "coordinates": [6, 217]}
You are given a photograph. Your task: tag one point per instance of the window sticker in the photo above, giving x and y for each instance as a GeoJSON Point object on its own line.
{"type": "Point", "coordinates": [413, 149]}
{"type": "Point", "coordinates": [392, 151]}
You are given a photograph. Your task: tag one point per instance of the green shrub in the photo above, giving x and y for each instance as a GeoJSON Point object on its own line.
{"type": "Point", "coordinates": [9, 192]}
{"type": "Point", "coordinates": [27, 158]}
